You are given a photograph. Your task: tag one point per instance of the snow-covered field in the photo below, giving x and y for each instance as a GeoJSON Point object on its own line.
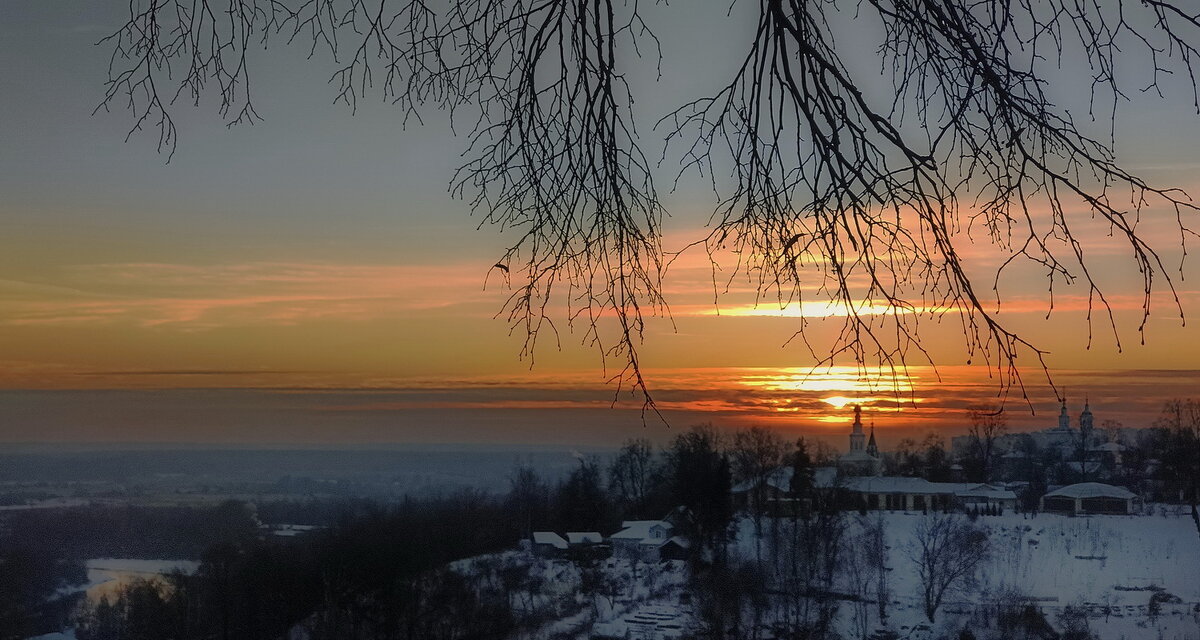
{"type": "Point", "coordinates": [1107, 565]}
{"type": "Point", "coordinates": [1065, 560]}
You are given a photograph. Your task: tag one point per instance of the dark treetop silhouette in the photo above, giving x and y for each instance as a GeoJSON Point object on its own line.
{"type": "Point", "coordinates": [825, 190]}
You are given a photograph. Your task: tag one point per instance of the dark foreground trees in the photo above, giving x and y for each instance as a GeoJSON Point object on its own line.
{"type": "Point", "coordinates": [635, 481]}
{"type": "Point", "coordinates": [380, 573]}
{"type": "Point", "coordinates": [987, 424]}
{"type": "Point", "coordinates": [1180, 425]}
{"type": "Point", "coordinates": [30, 574]}
{"type": "Point", "coordinates": [827, 187]}
{"type": "Point", "coordinates": [701, 480]}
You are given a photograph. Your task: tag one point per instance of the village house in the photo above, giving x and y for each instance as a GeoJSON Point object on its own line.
{"type": "Point", "coordinates": [641, 539]}
{"type": "Point", "coordinates": [1090, 498]}
{"type": "Point", "coordinates": [584, 538]}
{"type": "Point", "coordinates": [548, 544]}
{"type": "Point", "coordinates": [895, 493]}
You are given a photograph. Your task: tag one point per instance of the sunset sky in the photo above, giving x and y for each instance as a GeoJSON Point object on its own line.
{"type": "Point", "coordinates": [308, 280]}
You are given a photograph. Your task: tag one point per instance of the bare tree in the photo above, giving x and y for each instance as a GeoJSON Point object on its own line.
{"type": "Point", "coordinates": [807, 559]}
{"type": "Point", "coordinates": [631, 473]}
{"type": "Point", "coordinates": [1180, 419]}
{"type": "Point", "coordinates": [987, 425]}
{"type": "Point", "coordinates": [528, 499]}
{"type": "Point", "coordinates": [820, 453]}
{"type": "Point", "coordinates": [834, 192]}
{"type": "Point", "coordinates": [862, 575]}
{"type": "Point", "coordinates": [756, 454]}
{"type": "Point", "coordinates": [876, 550]}
{"type": "Point", "coordinates": [701, 483]}
{"type": "Point", "coordinates": [946, 549]}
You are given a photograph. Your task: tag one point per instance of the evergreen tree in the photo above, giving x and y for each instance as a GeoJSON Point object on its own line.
{"type": "Point", "coordinates": [702, 480]}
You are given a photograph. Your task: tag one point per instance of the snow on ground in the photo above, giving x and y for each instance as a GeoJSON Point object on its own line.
{"type": "Point", "coordinates": [58, 635]}
{"type": "Point", "coordinates": [1078, 560]}
{"type": "Point", "coordinates": [107, 575]}
{"type": "Point", "coordinates": [1107, 565]}
{"type": "Point", "coordinates": [49, 503]}
{"type": "Point", "coordinates": [148, 567]}
{"type": "Point", "coordinates": [1053, 558]}
{"type": "Point", "coordinates": [1102, 565]}
{"type": "Point", "coordinates": [648, 621]}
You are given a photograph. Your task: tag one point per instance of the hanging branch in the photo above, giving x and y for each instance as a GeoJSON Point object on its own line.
{"type": "Point", "coordinates": [837, 198]}
{"type": "Point", "coordinates": [835, 193]}
{"type": "Point", "coordinates": [554, 157]}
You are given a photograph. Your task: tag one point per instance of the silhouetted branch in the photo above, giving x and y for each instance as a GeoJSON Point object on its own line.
{"type": "Point", "coordinates": [834, 193]}
{"type": "Point", "coordinates": [837, 198]}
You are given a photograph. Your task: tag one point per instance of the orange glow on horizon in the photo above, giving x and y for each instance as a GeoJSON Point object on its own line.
{"type": "Point", "coordinates": [822, 309]}
{"type": "Point", "coordinates": [837, 378]}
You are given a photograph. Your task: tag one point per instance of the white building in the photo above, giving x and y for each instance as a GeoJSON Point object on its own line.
{"type": "Point", "coordinates": [580, 538]}
{"type": "Point", "coordinates": [863, 457]}
{"type": "Point", "coordinates": [641, 539]}
{"type": "Point", "coordinates": [548, 543]}
{"type": "Point", "coordinates": [896, 493]}
{"type": "Point", "coordinates": [1090, 497]}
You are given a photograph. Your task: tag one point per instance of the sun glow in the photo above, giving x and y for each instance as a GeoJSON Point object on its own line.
{"type": "Point", "coordinates": [833, 419]}
{"type": "Point", "coordinates": [841, 401]}
{"type": "Point", "coordinates": [845, 379]}
{"type": "Point", "coordinates": [823, 309]}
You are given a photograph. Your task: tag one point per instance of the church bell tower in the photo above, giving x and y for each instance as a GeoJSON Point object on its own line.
{"type": "Point", "coordinates": [857, 437]}
{"type": "Point", "coordinates": [1085, 418]}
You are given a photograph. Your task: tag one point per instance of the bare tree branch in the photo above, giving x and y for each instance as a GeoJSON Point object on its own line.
{"type": "Point", "coordinates": [834, 192]}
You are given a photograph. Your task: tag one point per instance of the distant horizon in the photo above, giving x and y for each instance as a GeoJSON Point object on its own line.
{"type": "Point", "coordinates": [410, 419]}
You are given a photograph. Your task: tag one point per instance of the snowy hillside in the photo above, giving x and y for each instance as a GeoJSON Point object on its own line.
{"type": "Point", "coordinates": [1107, 566]}
{"type": "Point", "coordinates": [1104, 568]}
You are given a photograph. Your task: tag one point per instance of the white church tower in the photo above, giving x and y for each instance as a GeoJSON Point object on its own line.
{"type": "Point", "coordinates": [858, 439]}
{"type": "Point", "coordinates": [1085, 418]}
{"type": "Point", "coordinates": [862, 459]}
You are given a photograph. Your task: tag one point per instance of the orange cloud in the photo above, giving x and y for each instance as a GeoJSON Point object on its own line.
{"type": "Point", "coordinates": [210, 296]}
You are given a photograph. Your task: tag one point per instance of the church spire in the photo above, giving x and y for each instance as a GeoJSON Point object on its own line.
{"type": "Point", "coordinates": [1085, 418]}
{"type": "Point", "coordinates": [872, 448]}
{"type": "Point", "coordinates": [856, 433]}
{"type": "Point", "coordinates": [1064, 420]}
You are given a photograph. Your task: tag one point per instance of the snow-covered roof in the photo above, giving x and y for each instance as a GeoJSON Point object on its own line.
{"type": "Point", "coordinates": [550, 538]}
{"type": "Point", "coordinates": [1091, 490]}
{"type": "Point", "coordinates": [658, 542]}
{"type": "Point", "coordinates": [857, 456]}
{"type": "Point", "coordinates": [824, 477]}
{"type": "Point", "coordinates": [584, 537]}
{"type": "Point", "coordinates": [921, 486]}
{"type": "Point", "coordinates": [297, 528]}
{"type": "Point", "coordinates": [780, 478]}
{"type": "Point", "coordinates": [683, 542]}
{"type": "Point", "coordinates": [1092, 466]}
{"type": "Point", "coordinates": [638, 529]}
{"type": "Point", "coordinates": [896, 484]}
{"type": "Point", "coordinates": [1110, 447]}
